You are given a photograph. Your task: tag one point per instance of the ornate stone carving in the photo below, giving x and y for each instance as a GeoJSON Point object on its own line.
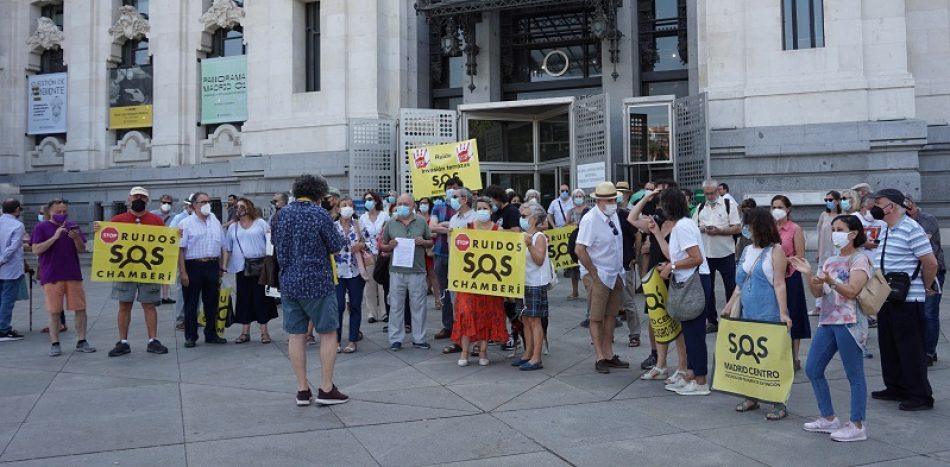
{"type": "Point", "coordinates": [49, 153]}
{"type": "Point", "coordinates": [47, 35]}
{"type": "Point", "coordinates": [133, 147]}
{"type": "Point", "coordinates": [223, 14]}
{"type": "Point", "coordinates": [224, 142]}
{"type": "Point", "coordinates": [130, 25]}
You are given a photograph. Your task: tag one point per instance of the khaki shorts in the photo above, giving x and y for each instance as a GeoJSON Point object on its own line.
{"type": "Point", "coordinates": [128, 292]}
{"type": "Point", "coordinates": [605, 303]}
{"type": "Point", "coordinates": [72, 291]}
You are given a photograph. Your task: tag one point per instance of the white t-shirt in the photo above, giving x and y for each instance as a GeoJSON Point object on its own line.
{"type": "Point", "coordinates": [874, 230]}
{"type": "Point", "coordinates": [715, 215]}
{"type": "Point", "coordinates": [752, 254]}
{"type": "Point", "coordinates": [604, 245]}
{"type": "Point", "coordinates": [535, 275]}
{"type": "Point", "coordinates": [685, 235]}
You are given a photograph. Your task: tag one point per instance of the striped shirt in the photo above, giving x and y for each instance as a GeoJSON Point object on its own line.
{"type": "Point", "coordinates": [903, 244]}
{"type": "Point", "coordinates": [201, 239]}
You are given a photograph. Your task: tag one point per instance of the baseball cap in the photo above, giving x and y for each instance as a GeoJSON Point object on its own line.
{"type": "Point", "coordinates": [189, 199]}
{"type": "Point", "coordinates": [138, 191]}
{"type": "Point", "coordinates": [890, 193]}
{"type": "Point", "coordinates": [333, 192]}
{"type": "Point", "coordinates": [861, 186]}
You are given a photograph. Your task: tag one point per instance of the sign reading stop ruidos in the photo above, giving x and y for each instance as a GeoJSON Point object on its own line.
{"type": "Point", "coordinates": [487, 262]}
{"type": "Point", "coordinates": [135, 253]}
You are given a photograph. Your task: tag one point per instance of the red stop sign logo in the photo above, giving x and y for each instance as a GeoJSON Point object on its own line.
{"type": "Point", "coordinates": [109, 235]}
{"type": "Point", "coordinates": [462, 242]}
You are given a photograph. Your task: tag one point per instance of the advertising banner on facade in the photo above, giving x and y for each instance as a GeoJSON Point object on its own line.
{"type": "Point", "coordinates": [125, 252]}
{"type": "Point", "coordinates": [665, 328]}
{"type": "Point", "coordinates": [754, 359]}
{"type": "Point", "coordinates": [432, 166]}
{"type": "Point", "coordinates": [557, 247]}
{"type": "Point", "coordinates": [130, 97]}
{"type": "Point", "coordinates": [224, 90]}
{"type": "Point", "coordinates": [46, 104]}
{"type": "Point", "coordinates": [487, 262]}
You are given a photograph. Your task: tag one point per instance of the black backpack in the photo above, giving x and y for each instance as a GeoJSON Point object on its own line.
{"type": "Point", "coordinates": [572, 239]}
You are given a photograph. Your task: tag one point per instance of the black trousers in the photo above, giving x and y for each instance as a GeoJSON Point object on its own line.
{"type": "Point", "coordinates": [203, 283]}
{"type": "Point", "coordinates": [900, 334]}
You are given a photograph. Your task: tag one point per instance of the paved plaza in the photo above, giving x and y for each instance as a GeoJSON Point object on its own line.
{"type": "Point", "coordinates": [233, 405]}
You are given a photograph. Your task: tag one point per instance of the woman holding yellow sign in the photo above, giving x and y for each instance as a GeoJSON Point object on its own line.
{"type": "Point", "coordinates": [479, 318]}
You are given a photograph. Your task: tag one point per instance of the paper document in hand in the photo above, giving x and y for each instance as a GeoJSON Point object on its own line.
{"type": "Point", "coordinates": [404, 253]}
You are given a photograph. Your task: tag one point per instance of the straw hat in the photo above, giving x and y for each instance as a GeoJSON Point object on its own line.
{"type": "Point", "coordinates": [605, 190]}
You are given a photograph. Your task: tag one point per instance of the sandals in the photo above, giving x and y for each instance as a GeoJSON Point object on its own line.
{"type": "Point", "coordinates": [747, 405]}
{"type": "Point", "coordinates": [777, 413]}
{"type": "Point", "coordinates": [265, 338]}
{"type": "Point", "coordinates": [451, 348]}
{"type": "Point", "coordinates": [350, 348]}
{"type": "Point", "coordinates": [242, 339]}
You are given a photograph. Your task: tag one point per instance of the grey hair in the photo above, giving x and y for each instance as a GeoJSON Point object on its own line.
{"type": "Point", "coordinates": [867, 201]}
{"type": "Point", "coordinates": [483, 199]}
{"type": "Point", "coordinates": [467, 194]}
{"type": "Point", "coordinates": [710, 183]}
{"type": "Point", "coordinates": [578, 190]}
{"type": "Point", "coordinates": [536, 214]}
{"type": "Point", "coordinates": [536, 193]}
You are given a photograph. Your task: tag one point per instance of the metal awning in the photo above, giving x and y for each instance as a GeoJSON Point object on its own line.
{"type": "Point", "coordinates": [438, 8]}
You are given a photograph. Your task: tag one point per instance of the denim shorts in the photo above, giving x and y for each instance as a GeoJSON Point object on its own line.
{"type": "Point", "coordinates": [298, 312]}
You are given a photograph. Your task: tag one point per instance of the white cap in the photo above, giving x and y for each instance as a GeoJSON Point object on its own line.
{"type": "Point", "coordinates": [138, 191]}
{"type": "Point", "coordinates": [861, 185]}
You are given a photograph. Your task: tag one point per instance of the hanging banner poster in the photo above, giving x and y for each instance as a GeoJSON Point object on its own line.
{"type": "Point", "coordinates": [46, 104]}
{"type": "Point", "coordinates": [224, 90]}
{"type": "Point", "coordinates": [487, 262]}
{"type": "Point", "coordinates": [557, 247]}
{"type": "Point", "coordinates": [135, 253]}
{"type": "Point", "coordinates": [130, 97]}
{"type": "Point", "coordinates": [754, 360]}
{"type": "Point", "coordinates": [432, 166]}
{"type": "Point", "coordinates": [665, 328]}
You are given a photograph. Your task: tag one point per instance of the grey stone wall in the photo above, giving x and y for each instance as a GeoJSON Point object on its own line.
{"type": "Point", "coordinates": [935, 173]}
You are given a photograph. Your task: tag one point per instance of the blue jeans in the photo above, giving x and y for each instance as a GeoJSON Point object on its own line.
{"type": "Point", "coordinates": [727, 269]}
{"type": "Point", "coordinates": [354, 287]}
{"type": "Point", "coordinates": [9, 289]}
{"type": "Point", "coordinates": [932, 317]}
{"type": "Point", "coordinates": [442, 273]}
{"type": "Point", "coordinates": [826, 341]}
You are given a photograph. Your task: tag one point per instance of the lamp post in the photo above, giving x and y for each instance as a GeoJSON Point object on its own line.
{"type": "Point", "coordinates": [604, 27]}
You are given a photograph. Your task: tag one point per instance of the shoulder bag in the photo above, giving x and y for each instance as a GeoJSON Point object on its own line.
{"type": "Point", "coordinates": [899, 282]}
{"type": "Point", "coordinates": [687, 300]}
{"type": "Point", "coordinates": [875, 292]}
{"type": "Point", "coordinates": [252, 266]}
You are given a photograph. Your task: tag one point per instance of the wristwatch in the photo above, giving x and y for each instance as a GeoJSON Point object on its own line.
{"type": "Point", "coordinates": [673, 265]}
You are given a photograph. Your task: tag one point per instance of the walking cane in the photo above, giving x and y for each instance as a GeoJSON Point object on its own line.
{"type": "Point", "coordinates": [31, 301]}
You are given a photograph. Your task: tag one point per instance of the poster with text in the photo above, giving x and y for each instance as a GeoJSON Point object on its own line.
{"type": "Point", "coordinates": [432, 166]}
{"type": "Point", "coordinates": [46, 104]}
{"type": "Point", "coordinates": [754, 360]}
{"type": "Point", "coordinates": [135, 253]}
{"type": "Point", "coordinates": [224, 90]}
{"type": "Point", "coordinates": [130, 97]}
{"type": "Point", "coordinates": [487, 262]}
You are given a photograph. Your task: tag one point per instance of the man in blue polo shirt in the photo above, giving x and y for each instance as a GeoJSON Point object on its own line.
{"type": "Point", "coordinates": [904, 249]}
{"type": "Point", "coordinates": [443, 213]}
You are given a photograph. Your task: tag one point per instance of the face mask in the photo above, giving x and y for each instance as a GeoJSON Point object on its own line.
{"type": "Point", "coordinates": [166, 207]}
{"type": "Point", "coordinates": [578, 201]}
{"type": "Point", "coordinates": [532, 199]}
{"type": "Point", "coordinates": [449, 193]}
{"type": "Point", "coordinates": [779, 214]}
{"type": "Point", "coordinates": [346, 212]}
{"type": "Point", "coordinates": [402, 211]}
{"type": "Point", "coordinates": [839, 239]}
{"type": "Point", "coordinates": [206, 209]}
{"type": "Point", "coordinates": [829, 205]}
{"type": "Point", "coordinates": [391, 199]}
{"type": "Point", "coordinates": [423, 208]}
{"type": "Point", "coordinates": [241, 212]}
{"type": "Point", "coordinates": [439, 203]}
{"type": "Point", "coordinates": [39, 218]}
{"type": "Point", "coordinates": [565, 195]}
{"type": "Point", "coordinates": [370, 204]}
{"type": "Point", "coordinates": [610, 209]}
{"type": "Point", "coordinates": [746, 232]}
{"type": "Point", "coordinates": [877, 213]}
{"type": "Point", "coordinates": [138, 205]}
{"type": "Point", "coordinates": [524, 224]}
{"type": "Point", "coordinates": [494, 208]}
{"type": "Point", "coordinates": [868, 217]}
{"type": "Point", "coordinates": [483, 215]}
{"type": "Point", "coordinates": [273, 203]}
{"type": "Point", "coordinates": [60, 218]}
{"type": "Point", "coordinates": [845, 204]}
{"type": "Point", "coordinates": [455, 203]}
{"type": "Point", "coordinates": [620, 199]}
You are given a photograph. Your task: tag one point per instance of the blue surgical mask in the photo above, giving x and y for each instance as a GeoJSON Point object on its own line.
{"type": "Point", "coordinates": [494, 208]}
{"type": "Point", "coordinates": [370, 205]}
{"type": "Point", "coordinates": [619, 199]}
{"type": "Point", "coordinates": [402, 211]}
{"type": "Point", "coordinates": [439, 203]}
{"type": "Point", "coordinates": [846, 204]}
{"type": "Point", "coordinates": [565, 195]}
{"type": "Point", "coordinates": [455, 203]}
{"type": "Point", "coordinates": [524, 224]}
{"type": "Point", "coordinates": [483, 215]}
{"type": "Point", "coordinates": [424, 208]}
{"type": "Point", "coordinates": [578, 201]}
{"type": "Point", "coordinates": [391, 199]}
{"type": "Point", "coordinates": [746, 232]}
{"type": "Point", "coordinates": [450, 193]}
{"type": "Point", "coordinates": [829, 205]}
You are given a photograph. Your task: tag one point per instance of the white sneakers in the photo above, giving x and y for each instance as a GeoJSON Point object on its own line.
{"type": "Point", "coordinates": [693, 389]}
{"type": "Point", "coordinates": [655, 374]}
{"type": "Point", "coordinates": [463, 362]}
{"type": "Point", "coordinates": [843, 433]}
{"type": "Point", "coordinates": [676, 382]}
{"type": "Point", "coordinates": [483, 361]}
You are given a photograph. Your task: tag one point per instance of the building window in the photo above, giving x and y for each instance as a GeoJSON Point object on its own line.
{"type": "Point", "coordinates": [135, 52]}
{"type": "Point", "coordinates": [803, 24]}
{"type": "Point", "coordinates": [140, 5]}
{"type": "Point", "coordinates": [312, 49]}
{"type": "Point", "coordinates": [53, 12]}
{"type": "Point", "coordinates": [227, 42]}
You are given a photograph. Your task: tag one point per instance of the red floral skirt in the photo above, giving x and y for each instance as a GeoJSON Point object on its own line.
{"type": "Point", "coordinates": [479, 317]}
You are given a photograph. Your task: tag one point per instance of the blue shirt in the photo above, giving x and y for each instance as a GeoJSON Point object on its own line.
{"type": "Point", "coordinates": [903, 244]}
{"type": "Point", "coordinates": [442, 214]}
{"type": "Point", "coordinates": [304, 237]}
{"type": "Point", "coordinates": [11, 247]}
{"type": "Point", "coordinates": [178, 218]}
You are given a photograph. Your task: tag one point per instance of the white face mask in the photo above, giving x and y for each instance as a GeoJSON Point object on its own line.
{"type": "Point", "coordinates": [610, 210]}
{"type": "Point", "coordinates": [346, 212]}
{"type": "Point", "coordinates": [206, 209]}
{"type": "Point", "coordinates": [868, 217]}
{"type": "Point", "coordinates": [840, 239]}
{"type": "Point", "coordinates": [166, 207]}
{"type": "Point", "coordinates": [779, 214]}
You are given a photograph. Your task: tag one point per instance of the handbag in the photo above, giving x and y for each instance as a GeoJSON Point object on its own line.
{"type": "Point", "coordinates": [899, 282]}
{"type": "Point", "coordinates": [252, 266]}
{"type": "Point", "coordinates": [875, 292]}
{"type": "Point", "coordinates": [687, 300]}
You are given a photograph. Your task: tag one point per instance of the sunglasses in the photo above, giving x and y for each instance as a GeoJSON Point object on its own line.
{"type": "Point", "coordinates": [612, 226]}
{"type": "Point", "coordinates": [829, 199]}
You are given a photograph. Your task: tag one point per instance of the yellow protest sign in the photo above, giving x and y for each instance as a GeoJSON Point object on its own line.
{"type": "Point", "coordinates": [432, 166]}
{"type": "Point", "coordinates": [557, 247]}
{"type": "Point", "coordinates": [135, 253]}
{"type": "Point", "coordinates": [487, 262]}
{"type": "Point", "coordinates": [665, 329]}
{"type": "Point", "coordinates": [753, 359]}
{"type": "Point", "coordinates": [225, 312]}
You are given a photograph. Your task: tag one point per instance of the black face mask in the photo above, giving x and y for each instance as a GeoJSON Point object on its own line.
{"type": "Point", "coordinates": [877, 213]}
{"type": "Point", "coordinates": [138, 205]}
{"type": "Point", "coordinates": [326, 204]}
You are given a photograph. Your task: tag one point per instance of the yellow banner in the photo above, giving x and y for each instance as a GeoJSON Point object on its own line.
{"type": "Point", "coordinates": [136, 116]}
{"type": "Point", "coordinates": [487, 262]}
{"type": "Point", "coordinates": [135, 253]}
{"type": "Point", "coordinates": [557, 247]}
{"type": "Point", "coordinates": [665, 329]}
{"type": "Point", "coordinates": [224, 309]}
{"type": "Point", "coordinates": [432, 166]}
{"type": "Point", "coordinates": [753, 359]}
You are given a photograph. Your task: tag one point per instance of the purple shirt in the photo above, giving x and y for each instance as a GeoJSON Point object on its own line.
{"type": "Point", "coordinates": [61, 261]}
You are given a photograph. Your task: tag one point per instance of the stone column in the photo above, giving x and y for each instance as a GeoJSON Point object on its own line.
{"type": "Point", "coordinates": [626, 83]}
{"type": "Point", "coordinates": [488, 79]}
{"type": "Point", "coordinates": [15, 26]}
{"type": "Point", "coordinates": [174, 70]}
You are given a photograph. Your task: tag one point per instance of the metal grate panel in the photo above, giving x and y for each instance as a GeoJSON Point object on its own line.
{"type": "Point", "coordinates": [372, 156]}
{"type": "Point", "coordinates": [422, 127]}
{"type": "Point", "coordinates": [590, 133]}
{"type": "Point", "coordinates": [691, 161]}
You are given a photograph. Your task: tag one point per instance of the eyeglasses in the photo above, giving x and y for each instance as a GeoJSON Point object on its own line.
{"type": "Point", "coordinates": [612, 226]}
